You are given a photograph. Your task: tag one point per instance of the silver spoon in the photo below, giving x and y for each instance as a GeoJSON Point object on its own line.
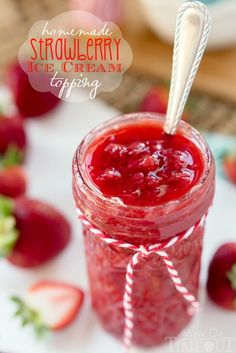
{"type": "Point", "coordinates": [191, 34]}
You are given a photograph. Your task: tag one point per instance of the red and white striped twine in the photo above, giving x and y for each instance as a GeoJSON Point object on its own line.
{"type": "Point", "coordinates": [139, 253]}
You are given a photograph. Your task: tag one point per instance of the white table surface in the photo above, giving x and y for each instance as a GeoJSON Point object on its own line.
{"type": "Point", "coordinates": [52, 143]}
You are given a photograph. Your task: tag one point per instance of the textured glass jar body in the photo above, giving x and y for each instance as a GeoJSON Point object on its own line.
{"type": "Point", "coordinates": [159, 310]}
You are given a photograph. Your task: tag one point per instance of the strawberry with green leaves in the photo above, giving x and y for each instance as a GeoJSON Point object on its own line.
{"type": "Point", "coordinates": [221, 284]}
{"type": "Point", "coordinates": [31, 231]}
{"type": "Point", "coordinates": [13, 145]}
{"type": "Point", "coordinates": [49, 306]}
{"type": "Point", "coordinates": [12, 134]}
{"type": "Point", "coordinates": [13, 181]}
{"type": "Point", "coordinates": [30, 103]}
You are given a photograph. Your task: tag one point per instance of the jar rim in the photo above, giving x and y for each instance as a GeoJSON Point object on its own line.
{"type": "Point", "coordinates": [79, 172]}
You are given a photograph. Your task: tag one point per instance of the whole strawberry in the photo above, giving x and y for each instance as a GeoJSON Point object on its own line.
{"type": "Point", "coordinates": [49, 305]}
{"type": "Point", "coordinates": [12, 134]}
{"type": "Point", "coordinates": [31, 231]}
{"type": "Point", "coordinates": [30, 103]}
{"type": "Point", "coordinates": [156, 100]}
{"type": "Point", "coordinates": [13, 180]}
{"type": "Point", "coordinates": [221, 284]}
{"type": "Point", "coordinates": [229, 166]}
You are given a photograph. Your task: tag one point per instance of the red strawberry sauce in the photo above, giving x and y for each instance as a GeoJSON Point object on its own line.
{"type": "Point", "coordinates": [142, 165]}
{"type": "Point", "coordinates": [139, 185]}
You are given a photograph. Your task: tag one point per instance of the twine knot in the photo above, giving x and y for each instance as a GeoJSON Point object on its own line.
{"type": "Point", "coordinates": [139, 252]}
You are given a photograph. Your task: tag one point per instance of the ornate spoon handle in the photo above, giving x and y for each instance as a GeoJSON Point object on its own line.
{"type": "Point", "coordinates": [191, 35]}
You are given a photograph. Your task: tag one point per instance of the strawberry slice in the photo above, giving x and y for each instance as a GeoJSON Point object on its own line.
{"type": "Point", "coordinates": [12, 133]}
{"type": "Point", "coordinates": [12, 176]}
{"type": "Point", "coordinates": [30, 103]}
{"type": "Point", "coordinates": [49, 305]}
{"type": "Point", "coordinates": [42, 231]}
{"type": "Point", "coordinates": [221, 283]}
{"type": "Point", "coordinates": [229, 166]}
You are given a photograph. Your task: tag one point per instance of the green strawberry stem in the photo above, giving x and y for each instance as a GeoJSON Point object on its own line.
{"type": "Point", "coordinates": [13, 156]}
{"type": "Point", "coordinates": [8, 232]}
{"type": "Point", "coordinates": [29, 316]}
{"type": "Point", "coordinates": [231, 275]}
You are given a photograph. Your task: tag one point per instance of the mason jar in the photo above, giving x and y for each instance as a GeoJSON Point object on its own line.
{"type": "Point", "coordinates": [159, 310]}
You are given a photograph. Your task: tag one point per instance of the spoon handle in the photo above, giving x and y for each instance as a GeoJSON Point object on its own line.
{"type": "Point", "coordinates": [191, 35]}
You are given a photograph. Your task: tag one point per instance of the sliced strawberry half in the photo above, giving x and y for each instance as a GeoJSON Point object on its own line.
{"type": "Point", "coordinates": [49, 305]}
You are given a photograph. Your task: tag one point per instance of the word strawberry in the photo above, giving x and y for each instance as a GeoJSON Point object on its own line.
{"type": "Point", "coordinates": [49, 305]}
{"type": "Point", "coordinates": [221, 284]}
{"type": "Point", "coordinates": [229, 166]}
{"type": "Point", "coordinates": [156, 100]}
{"type": "Point", "coordinates": [12, 134]}
{"type": "Point", "coordinates": [31, 231]}
{"type": "Point", "coordinates": [30, 103]}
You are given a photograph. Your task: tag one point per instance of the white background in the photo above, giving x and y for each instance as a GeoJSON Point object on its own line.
{"type": "Point", "coordinates": [52, 143]}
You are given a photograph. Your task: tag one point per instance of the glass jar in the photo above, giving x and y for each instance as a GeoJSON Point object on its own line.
{"type": "Point", "coordinates": [159, 310]}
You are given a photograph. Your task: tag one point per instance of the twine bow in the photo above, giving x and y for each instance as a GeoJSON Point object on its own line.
{"type": "Point", "coordinates": [139, 253]}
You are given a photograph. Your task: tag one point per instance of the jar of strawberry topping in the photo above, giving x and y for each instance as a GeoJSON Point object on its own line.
{"type": "Point", "coordinates": [137, 185]}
